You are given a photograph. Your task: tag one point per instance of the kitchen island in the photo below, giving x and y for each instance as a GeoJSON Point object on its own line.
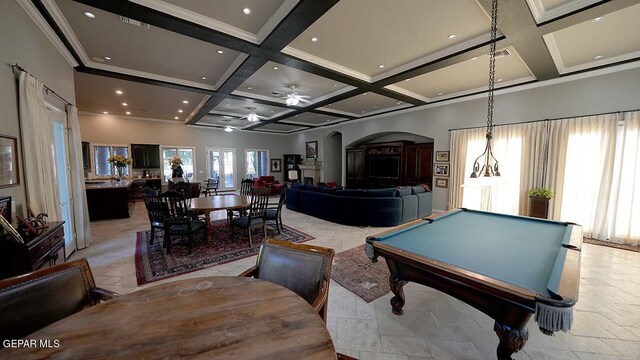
{"type": "Point", "coordinates": [108, 199]}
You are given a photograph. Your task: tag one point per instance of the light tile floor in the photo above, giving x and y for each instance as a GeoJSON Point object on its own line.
{"type": "Point", "coordinates": [434, 325]}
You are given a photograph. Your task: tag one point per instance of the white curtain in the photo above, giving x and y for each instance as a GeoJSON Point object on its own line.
{"type": "Point", "coordinates": [624, 205]}
{"type": "Point", "coordinates": [38, 148]}
{"type": "Point", "coordinates": [77, 191]}
{"type": "Point", "coordinates": [588, 172]}
{"type": "Point", "coordinates": [458, 170]}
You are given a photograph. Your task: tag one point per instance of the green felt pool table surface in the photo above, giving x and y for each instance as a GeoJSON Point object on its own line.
{"type": "Point", "coordinates": [525, 252]}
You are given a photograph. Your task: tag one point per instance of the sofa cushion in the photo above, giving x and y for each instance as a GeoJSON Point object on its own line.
{"type": "Point", "coordinates": [418, 189]}
{"type": "Point", "coordinates": [329, 190]}
{"type": "Point", "coordinates": [426, 187]}
{"type": "Point", "coordinates": [352, 192]}
{"type": "Point", "coordinates": [314, 188]}
{"type": "Point", "coordinates": [293, 199]}
{"type": "Point", "coordinates": [267, 179]}
{"type": "Point", "coordinates": [390, 192]}
{"type": "Point", "coordinates": [299, 186]}
{"type": "Point", "coordinates": [403, 191]}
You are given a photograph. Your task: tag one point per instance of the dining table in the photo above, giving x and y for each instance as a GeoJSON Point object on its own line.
{"type": "Point", "coordinates": [207, 204]}
{"type": "Point", "coordinates": [218, 317]}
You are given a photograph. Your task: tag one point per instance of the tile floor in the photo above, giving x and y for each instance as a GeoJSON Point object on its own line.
{"type": "Point", "coordinates": [434, 325]}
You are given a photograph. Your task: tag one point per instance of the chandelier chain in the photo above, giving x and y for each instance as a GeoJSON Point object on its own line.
{"type": "Point", "coordinates": [492, 65]}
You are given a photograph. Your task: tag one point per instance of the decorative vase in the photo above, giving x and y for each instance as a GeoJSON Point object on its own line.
{"type": "Point", "coordinates": [119, 174]}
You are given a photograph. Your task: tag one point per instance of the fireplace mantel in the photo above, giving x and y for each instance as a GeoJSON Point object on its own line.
{"type": "Point", "coordinates": [311, 171]}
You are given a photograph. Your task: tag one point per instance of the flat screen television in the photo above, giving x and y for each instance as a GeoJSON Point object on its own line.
{"type": "Point", "coordinates": [384, 167]}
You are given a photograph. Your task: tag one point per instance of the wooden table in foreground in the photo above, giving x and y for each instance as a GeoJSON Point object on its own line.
{"type": "Point", "coordinates": [218, 202]}
{"type": "Point", "coordinates": [209, 317]}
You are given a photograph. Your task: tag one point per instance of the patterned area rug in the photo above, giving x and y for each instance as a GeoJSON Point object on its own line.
{"type": "Point", "coordinates": [153, 264]}
{"type": "Point", "coordinates": [612, 244]}
{"type": "Point", "coordinates": [354, 271]}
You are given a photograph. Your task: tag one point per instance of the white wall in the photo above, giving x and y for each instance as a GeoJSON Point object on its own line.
{"type": "Point", "coordinates": [617, 91]}
{"type": "Point", "coordinates": [107, 129]}
{"type": "Point", "coordinates": [22, 42]}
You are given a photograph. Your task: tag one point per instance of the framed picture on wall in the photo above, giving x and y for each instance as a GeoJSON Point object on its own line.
{"type": "Point", "coordinates": [9, 175]}
{"type": "Point", "coordinates": [311, 150]}
{"type": "Point", "coordinates": [441, 169]}
{"type": "Point", "coordinates": [442, 183]}
{"type": "Point", "coordinates": [276, 165]}
{"type": "Point", "coordinates": [442, 156]}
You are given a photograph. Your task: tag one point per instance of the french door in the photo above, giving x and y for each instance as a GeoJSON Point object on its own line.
{"type": "Point", "coordinates": [63, 175]}
{"type": "Point", "coordinates": [221, 163]}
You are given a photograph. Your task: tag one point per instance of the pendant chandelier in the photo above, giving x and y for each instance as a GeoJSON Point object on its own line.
{"type": "Point", "coordinates": [489, 162]}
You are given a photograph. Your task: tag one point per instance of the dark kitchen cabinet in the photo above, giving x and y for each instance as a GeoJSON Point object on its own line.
{"type": "Point", "coordinates": [86, 156]}
{"type": "Point", "coordinates": [145, 156]}
{"type": "Point", "coordinates": [418, 164]}
{"type": "Point", "coordinates": [355, 168]}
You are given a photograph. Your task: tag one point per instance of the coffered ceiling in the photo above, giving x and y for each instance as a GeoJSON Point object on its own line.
{"type": "Point", "coordinates": [340, 60]}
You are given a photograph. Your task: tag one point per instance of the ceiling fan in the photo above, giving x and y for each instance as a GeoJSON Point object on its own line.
{"type": "Point", "coordinates": [252, 116]}
{"type": "Point", "coordinates": [228, 127]}
{"type": "Point", "coordinates": [292, 98]}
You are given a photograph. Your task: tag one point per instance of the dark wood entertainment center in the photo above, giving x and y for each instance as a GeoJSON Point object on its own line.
{"type": "Point", "coordinates": [389, 164]}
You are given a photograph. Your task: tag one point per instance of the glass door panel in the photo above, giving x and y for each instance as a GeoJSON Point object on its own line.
{"type": "Point", "coordinates": [63, 176]}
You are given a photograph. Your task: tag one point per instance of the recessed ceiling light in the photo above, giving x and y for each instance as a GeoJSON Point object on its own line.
{"type": "Point", "coordinates": [105, 112]}
{"type": "Point", "coordinates": [246, 11]}
{"type": "Point", "coordinates": [473, 58]}
{"type": "Point", "coordinates": [220, 52]}
{"type": "Point", "coordinates": [362, 111]}
{"type": "Point", "coordinates": [328, 120]}
{"type": "Point", "coordinates": [314, 39]}
{"type": "Point", "coordinates": [452, 36]}
{"type": "Point", "coordinates": [598, 57]}
{"type": "Point", "coordinates": [439, 94]}
{"type": "Point", "coordinates": [124, 104]}
{"type": "Point", "coordinates": [364, 94]}
{"type": "Point", "coordinates": [228, 129]}
{"type": "Point", "coordinates": [175, 117]}
{"type": "Point", "coordinates": [335, 85]}
{"type": "Point", "coordinates": [107, 58]}
{"type": "Point", "coordinates": [180, 111]}
{"type": "Point", "coordinates": [128, 113]}
{"type": "Point", "coordinates": [499, 79]}
{"type": "Point", "coordinates": [185, 101]}
{"type": "Point", "coordinates": [598, 19]}
{"type": "Point", "coordinates": [407, 80]}
{"type": "Point", "coordinates": [249, 88]}
{"type": "Point", "coordinates": [398, 102]}
{"type": "Point", "coordinates": [119, 92]}
{"type": "Point", "coordinates": [275, 68]}
{"type": "Point", "coordinates": [89, 15]}
{"type": "Point", "coordinates": [380, 66]}
{"type": "Point", "coordinates": [204, 78]}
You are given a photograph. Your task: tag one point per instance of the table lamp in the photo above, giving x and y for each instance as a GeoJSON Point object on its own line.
{"type": "Point", "coordinates": [293, 175]}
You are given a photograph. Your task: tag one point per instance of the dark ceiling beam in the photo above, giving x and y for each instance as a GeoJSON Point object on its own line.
{"type": "Point", "coordinates": [582, 15]}
{"type": "Point", "coordinates": [52, 23]}
{"type": "Point", "coordinates": [142, 80]}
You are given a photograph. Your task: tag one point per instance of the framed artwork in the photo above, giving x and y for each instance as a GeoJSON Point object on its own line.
{"type": "Point", "coordinates": [311, 149]}
{"type": "Point", "coordinates": [441, 169]}
{"type": "Point", "coordinates": [5, 207]}
{"type": "Point", "coordinates": [9, 175]}
{"type": "Point", "coordinates": [442, 156]}
{"type": "Point", "coordinates": [276, 165]}
{"type": "Point", "coordinates": [10, 230]}
{"type": "Point", "coordinates": [442, 183]}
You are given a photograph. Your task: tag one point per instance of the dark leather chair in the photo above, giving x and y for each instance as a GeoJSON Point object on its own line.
{"type": "Point", "coordinates": [32, 301]}
{"type": "Point", "coordinates": [210, 186]}
{"type": "Point", "coordinates": [179, 220]}
{"type": "Point", "coordinates": [255, 217]}
{"type": "Point", "coordinates": [303, 269]}
{"type": "Point", "coordinates": [275, 214]}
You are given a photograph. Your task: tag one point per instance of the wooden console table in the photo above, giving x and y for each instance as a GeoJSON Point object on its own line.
{"type": "Point", "coordinates": [44, 250]}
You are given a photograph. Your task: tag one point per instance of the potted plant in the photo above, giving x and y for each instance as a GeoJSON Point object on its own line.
{"type": "Point", "coordinates": [539, 202]}
{"type": "Point", "coordinates": [119, 162]}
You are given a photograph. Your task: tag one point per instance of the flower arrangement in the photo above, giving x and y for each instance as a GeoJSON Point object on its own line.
{"type": "Point", "coordinates": [119, 161]}
{"type": "Point", "coordinates": [541, 192]}
{"type": "Point", "coordinates": [175, 160]}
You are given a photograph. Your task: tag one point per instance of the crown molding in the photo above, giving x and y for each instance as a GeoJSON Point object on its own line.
{"type": "Point", "coordinates": [541, 15]}
{"type": "Point", "coordinates": [88, 113]}
{"type": "Point", "coordinates": [275, 19]}
{"type": "Point", "coordinates": [42, 24]}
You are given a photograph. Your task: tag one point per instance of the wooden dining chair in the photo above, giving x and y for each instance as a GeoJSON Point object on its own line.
{"type": "Point", "coordinates": [32, 301]}
{"type": "Point", "coordinates": [157, 211]}
{"type": "Point", "coordinates": [303, 269]}
{"type": "Point", "coordinates": [180, 221]}
{"type": "Point", "coordinates": [211, 185]}
{"type": "Point", "coordinates": [255, 216]}
{"type": "Point", "coordinates": [275, 213]}
{"type": "Point", "coordinates": [246, 189]}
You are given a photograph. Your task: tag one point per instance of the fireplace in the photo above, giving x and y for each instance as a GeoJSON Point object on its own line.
{"type": "Point", "coordinates": [311, 171]}
{"type": "Point", "coordinates": [308, 181]}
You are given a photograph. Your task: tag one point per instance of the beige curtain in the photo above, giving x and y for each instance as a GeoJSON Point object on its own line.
{"type": "Point", "coordinates": [588, 171]}
{"type": "Point", "coordinates": [624, 206]}
{"type": "Point", "coordinates": [38, 148]}
{"type": "Point", "coordinates": [77, 191]}
{"type": "Point", "coordinates": [458, 161]}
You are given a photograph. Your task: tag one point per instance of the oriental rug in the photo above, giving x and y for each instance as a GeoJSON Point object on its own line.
{"type": "Point", "coordinates": [153, 264]}
{"type": "Point", "coordinates": [354, 271]}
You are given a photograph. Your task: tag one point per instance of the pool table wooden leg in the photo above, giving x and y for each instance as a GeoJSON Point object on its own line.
{"type": "Point", "coordinates": [511, 340]}
{"type": "Point", "coordinates": [397, 302]}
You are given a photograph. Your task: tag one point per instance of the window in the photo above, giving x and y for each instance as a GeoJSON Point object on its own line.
{"type": "Point", "coordinates": [257, 163]}
{"type": "Point", "coordinates": [185, 153]}
{"type": "Point", "coordinates": [101, 155]}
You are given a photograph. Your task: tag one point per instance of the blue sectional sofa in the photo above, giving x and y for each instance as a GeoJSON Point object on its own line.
{"type": "Point", "coordinates": [374, 207]}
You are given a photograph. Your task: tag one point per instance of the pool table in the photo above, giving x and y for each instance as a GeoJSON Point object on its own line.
{"type": "Point", "coordinates": [506, 266]}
